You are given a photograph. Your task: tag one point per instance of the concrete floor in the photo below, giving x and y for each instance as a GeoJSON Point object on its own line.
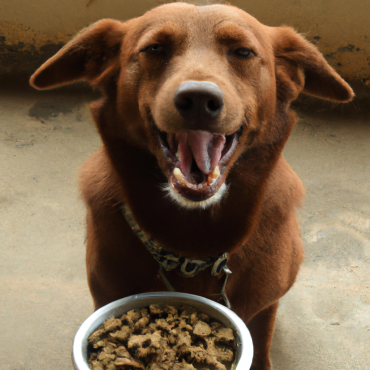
{"type": "Point", "coordinates": [323, 322]}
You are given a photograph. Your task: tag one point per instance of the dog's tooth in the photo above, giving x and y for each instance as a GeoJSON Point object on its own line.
{"type": "Point", "coordinates": [213, 176]}
{"type": "Point", "coordinates": [210, 181]}
{"type": "Point", "coordinates": [182, 180]}
{"type": "Point", "coordinates": [215, 173]}
{"type": "Point", "coordinates": [179, 176]}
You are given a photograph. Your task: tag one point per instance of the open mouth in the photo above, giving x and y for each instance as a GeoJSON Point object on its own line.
{"type": "Point", "coordinates": [198, 161]}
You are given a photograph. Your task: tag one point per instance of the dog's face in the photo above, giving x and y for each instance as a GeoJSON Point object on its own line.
{"type": "Point", "coordinates": [203, 78]}
{"type": "Point", "coordinates": [191, 84]}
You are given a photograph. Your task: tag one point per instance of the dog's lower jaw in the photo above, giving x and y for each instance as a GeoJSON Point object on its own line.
{"type": "Point", "coordinates": [175, 197]}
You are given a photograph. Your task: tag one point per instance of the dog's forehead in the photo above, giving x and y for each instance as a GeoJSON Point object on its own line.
{"type": "Point", "coordinates": [199, 20]}
{"type": "Point", "coordinates": [188, 12]}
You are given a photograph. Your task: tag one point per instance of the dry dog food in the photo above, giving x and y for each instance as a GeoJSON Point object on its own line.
{"type": "Point", "coordinates": [162, 338]}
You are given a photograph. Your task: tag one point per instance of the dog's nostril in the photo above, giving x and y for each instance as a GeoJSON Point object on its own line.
{"type": "Point", "coordinates": [184, 103]}
{"type": "Point", "coordinates": [213, 106]}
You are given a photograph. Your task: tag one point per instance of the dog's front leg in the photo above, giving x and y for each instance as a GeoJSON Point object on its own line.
{"type": "Point", "coordinates": [261, 328]}
{"type": "Point", "coordinates": [117, 263]}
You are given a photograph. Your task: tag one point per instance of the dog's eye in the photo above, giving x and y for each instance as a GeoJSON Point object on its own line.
{"type": "Point", "coordinates": [244, 53]}
{"type": "Point", "coordinates": [155, 48]}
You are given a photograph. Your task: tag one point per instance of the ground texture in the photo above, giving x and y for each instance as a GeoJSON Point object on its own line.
{"type": "Point", "coordinates": [323, 323]}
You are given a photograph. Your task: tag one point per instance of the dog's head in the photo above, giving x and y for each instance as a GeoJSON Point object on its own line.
{"type": "Point", "coordinates": [192, 85]}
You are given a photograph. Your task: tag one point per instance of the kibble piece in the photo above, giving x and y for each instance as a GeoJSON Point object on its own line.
{"type": "Point", "coordinates": [194, 318]}
{"type": "Point", "coordinates": [201, 356]}
{"type": "Point", "coordinates": [121, 351]}
{"type": "Point", "coordinates": [100, 343]}
{"type": "Point", "coordinates": [171, 310]}
{"type": "Point", "coordinates": [111, 367]}
{"type": "Point", "coordinates": [167, 357]}
{"type": "Point", "coordinates": [222, 354]}
{"type": "Point", "coordinates": [96, 336]}
{"type": "Point", "coordinates": [215, 324]}
{"type": "Point", "coordinates": [106, 356]}
{"type": "Point", "coordinates": [93, 357]}
{"type": "Point", "coordinates": [185, 314]}
{"type": "Point", "coordinates": [219, 366]}
{"type": "Point", "coordinates": [123, 334]}
{"type": "Point", "coordinates": [192, 353]}
{"type": "Point", "coordinates": [155, 309]}
{"type": "Point", "coordinates": [225, 354]}
{"type": "Point", "coordinates": [141, 324]}
{"type": "Point", "coordinates": [144, 312]}
{"type": "Point", "coordinates": [184, 325]}
{"type": "Point", "coordinates": [172, 318]}
{"type": "Point", "coordinates": [130, 318]}
{"type": "Point", "coordinates": [112, 324]}
{"type": "Point", "coordinates": [175, 331]}
{"type": "Point", "coordinates": [164, 325]}
{"type": "Point", "coordinates": [109, 347]}
{"type": "Point", "coordinates": [145, 345]}
{"type": "Point", "coordinates": [202, 329]}
{"type": "Point", "coordinates": [183, 366]}
{"type": "Point", "coordinates": [151, 328]}
{"type": "Point", "coordinates": [204, 317]}
{"type": "Point", "coordinates": [224, 335]}
{"type": "Point", "coordinates": [129, 364]}
{"type": "Point", "coordinates": [96, 365]}
{"type": "Point", "coordinates": [155, 366]}
{"type": "Point", "coordinates": [184, 338]}
{"type": "Point", "coordinates": [134, 315]}
{"type": "Point", "coordinates": [171, 339]}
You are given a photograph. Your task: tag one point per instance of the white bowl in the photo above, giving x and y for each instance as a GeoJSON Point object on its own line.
{"type": "Point", "coordinates": [244, 350]}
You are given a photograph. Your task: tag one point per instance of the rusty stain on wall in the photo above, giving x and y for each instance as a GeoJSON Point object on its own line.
{"type": "Point", "coordinates": [350, 61]}
{"type": "Point", "coordinates": [22, 49]}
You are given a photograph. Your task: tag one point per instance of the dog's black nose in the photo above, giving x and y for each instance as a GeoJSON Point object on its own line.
{"type": "Point", "coordinates": [199, 100]}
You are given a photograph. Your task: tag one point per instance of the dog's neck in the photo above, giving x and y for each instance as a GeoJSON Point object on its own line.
{"type": "Point", "coordinates": [187, 267]}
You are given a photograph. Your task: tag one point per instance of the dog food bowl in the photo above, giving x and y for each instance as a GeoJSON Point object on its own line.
{"type": "Point", "coordinates": [244, 350]}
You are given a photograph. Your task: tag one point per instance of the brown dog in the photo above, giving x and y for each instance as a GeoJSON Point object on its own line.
{"type": "Point", "coordinates": [194, 115]}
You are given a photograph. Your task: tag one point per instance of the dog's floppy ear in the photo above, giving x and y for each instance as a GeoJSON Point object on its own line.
{"type": "Point", "coordinates": [300, 67]}
{"type": "Point", "coordinates": [92, 53]}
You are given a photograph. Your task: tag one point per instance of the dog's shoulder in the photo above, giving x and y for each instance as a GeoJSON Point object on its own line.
{"type": "Point", "coordinates": [99, 183]}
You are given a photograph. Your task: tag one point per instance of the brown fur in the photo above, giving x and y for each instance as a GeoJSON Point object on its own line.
{"type": "Point", "coordinates": [256, 221]}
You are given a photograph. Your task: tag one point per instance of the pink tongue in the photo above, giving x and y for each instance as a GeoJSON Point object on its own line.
{"type": "Point", "coordinates": [206, 149]}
